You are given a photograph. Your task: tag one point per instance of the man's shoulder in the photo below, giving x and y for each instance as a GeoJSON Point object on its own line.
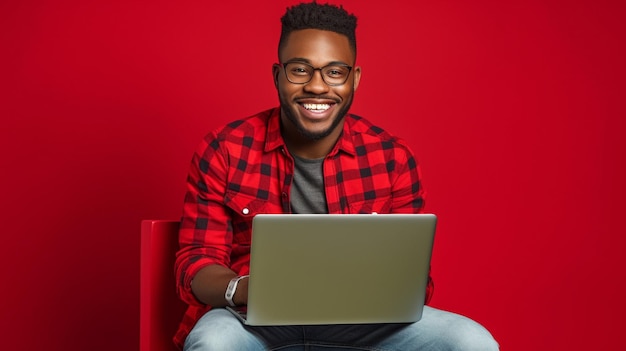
{"type": "Point", "coordinates": [247, 133]}
{"type": "Point", "coordinates": [360, 126]}
{"type": "Point", "coordinates": [374, 141]}
{"type": "Point", "coordinates": [247, 126]}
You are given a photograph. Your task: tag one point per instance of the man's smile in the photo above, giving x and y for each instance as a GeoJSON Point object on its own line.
{"type": "Point", "coordinates": [316, 107]}
{"type": "Point", "coordinates": [316, 111]}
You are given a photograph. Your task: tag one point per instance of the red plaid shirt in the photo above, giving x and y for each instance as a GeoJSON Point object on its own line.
{"type": "Point", "coordinates": [244, 169]}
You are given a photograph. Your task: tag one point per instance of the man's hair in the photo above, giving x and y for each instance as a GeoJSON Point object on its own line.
{"type": "Point", "coordinates": [318, 16]}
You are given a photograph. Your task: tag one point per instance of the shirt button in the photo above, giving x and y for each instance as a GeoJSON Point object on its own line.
{"type": "Point", "coordinates": [245, 211]}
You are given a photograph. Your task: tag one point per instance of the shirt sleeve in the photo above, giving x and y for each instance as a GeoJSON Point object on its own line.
{"type": "Point", "coordinates": [408, 194]}
{"type": "Point", "coordinates": [205, 235]}
{"type": "Point", "coordinates": [407, 191]}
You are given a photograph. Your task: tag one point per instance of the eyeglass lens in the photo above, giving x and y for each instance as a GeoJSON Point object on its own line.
{"type": "Point", "coordinates": [302, 73]}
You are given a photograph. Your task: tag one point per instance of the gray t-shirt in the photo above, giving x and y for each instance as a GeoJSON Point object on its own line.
{"type": "Point", "coordinates": [307, 190]}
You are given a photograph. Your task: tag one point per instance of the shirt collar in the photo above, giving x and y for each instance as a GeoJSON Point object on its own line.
{"type": "Point", "coordinates": [274, 138]}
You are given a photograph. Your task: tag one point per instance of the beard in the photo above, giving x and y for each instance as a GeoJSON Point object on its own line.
{"type": "Point", "coordinates": [313, 136]}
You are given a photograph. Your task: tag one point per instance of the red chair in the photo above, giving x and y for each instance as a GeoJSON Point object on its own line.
{"type": "Point", "coordinates": [160, 310]}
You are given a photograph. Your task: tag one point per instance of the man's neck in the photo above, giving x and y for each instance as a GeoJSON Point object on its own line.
{"type": "Point", "coordinates": [307, 148]}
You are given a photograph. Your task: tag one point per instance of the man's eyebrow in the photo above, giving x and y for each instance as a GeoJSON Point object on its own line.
{"type": "Point", "coordinates": [298, 59]}
{"type": "Point", "coordinates": [305, 60]}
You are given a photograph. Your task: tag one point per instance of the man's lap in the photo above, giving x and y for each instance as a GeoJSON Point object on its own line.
{"type": "Point", "coordinates": [219, 329]}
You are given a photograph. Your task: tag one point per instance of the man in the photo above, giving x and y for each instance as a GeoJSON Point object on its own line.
{"type": "Point", "coordinates": [308, 156]}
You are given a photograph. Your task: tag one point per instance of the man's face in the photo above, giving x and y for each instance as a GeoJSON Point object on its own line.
{"type": "Point", "coordinates": [315, 109]}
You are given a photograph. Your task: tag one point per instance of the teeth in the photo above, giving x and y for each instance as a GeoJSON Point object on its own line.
{"type": "Point", "coordinates": [320, 107]}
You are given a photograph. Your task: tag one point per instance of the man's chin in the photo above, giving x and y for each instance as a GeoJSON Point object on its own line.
{"type": "Point", "coordinates": [319, 132]}
{"type": "Point", "coordinates": [314, 135]}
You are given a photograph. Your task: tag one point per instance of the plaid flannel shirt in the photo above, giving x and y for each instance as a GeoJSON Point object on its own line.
{"type": "Point", "coordinates": [244, 169]}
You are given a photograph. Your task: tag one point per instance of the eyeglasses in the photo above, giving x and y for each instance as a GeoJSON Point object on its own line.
{"type": "Point", "coordinates": [302, 73]}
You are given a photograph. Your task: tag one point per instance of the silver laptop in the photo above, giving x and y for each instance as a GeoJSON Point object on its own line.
{"type": "Point", "coordinates": [339, 268]}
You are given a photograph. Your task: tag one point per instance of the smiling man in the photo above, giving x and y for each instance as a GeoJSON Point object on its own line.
{"type": "Point", "coordinates": [310, 155]}
{"type": "Point", "coordinates": [313, 105]}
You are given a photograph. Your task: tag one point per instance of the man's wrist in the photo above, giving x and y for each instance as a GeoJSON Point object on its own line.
{"type": "Point", "coordinates": [232, 289]}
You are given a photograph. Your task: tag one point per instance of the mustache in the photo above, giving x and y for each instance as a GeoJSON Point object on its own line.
{"type": "Point", "coordinates": [318, 97]}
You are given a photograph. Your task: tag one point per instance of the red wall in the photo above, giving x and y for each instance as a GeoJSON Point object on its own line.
{"type": "Point", "coordinates": [516, 111]}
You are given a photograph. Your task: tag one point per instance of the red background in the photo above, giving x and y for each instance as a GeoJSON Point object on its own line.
{"type": "Point", "coordinates": [515, 110]}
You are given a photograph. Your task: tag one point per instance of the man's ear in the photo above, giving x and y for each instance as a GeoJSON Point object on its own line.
{"type": "Point", "coordinates": [275, 73]}
{"type": "Point", "coordinates": [357, 77]}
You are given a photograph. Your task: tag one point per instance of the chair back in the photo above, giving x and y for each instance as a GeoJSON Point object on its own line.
{"type": "Point", "coordinates": [160, 309]}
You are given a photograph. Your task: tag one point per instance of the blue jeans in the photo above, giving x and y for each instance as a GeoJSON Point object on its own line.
{"type": "Point", "coordinates": [220, 330]}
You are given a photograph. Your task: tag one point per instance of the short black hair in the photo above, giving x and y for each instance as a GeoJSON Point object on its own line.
{"type": "Point", "coordinates": [318, 16]}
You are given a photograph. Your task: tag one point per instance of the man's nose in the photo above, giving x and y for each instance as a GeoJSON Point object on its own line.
{"type": "Point", "coordinates": [317, 85]}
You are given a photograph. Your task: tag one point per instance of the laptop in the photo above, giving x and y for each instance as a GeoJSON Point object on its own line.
{"type": "Point", "coordinates": [312, 269]}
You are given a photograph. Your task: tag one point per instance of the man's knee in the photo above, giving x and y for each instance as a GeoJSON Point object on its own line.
{"type": "Point", "coordinates": [468, 335]}
{"type": "Point", "coordinates": [455, 332]}
{"type": "Point", "coordinates": [218, 330]}
{"type": "Point", "coordinates": [213, 337]}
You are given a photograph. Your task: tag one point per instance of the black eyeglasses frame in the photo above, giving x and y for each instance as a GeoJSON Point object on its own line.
{"type": "Point", "coordinates": [317, 69]}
